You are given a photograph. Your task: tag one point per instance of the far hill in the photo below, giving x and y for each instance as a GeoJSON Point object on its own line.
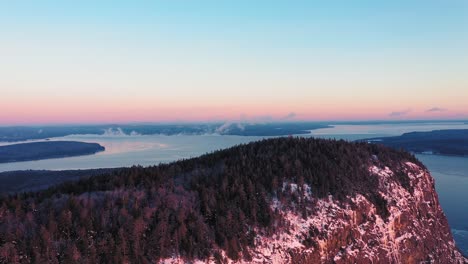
{"type": "Point", "coordinates": [46, 150]}
{"type": "Point", "coordinates": [22, 133]}
{"type": "Point", "coordinates": [443, 142]}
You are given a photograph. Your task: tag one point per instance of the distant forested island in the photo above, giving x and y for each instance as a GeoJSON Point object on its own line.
{"type": "Point", "coordinates": [46, 150]}
{"type": "Point", "coordinates": [22, 133]}
{"type": "Point", "coordinates": [443, 142]}
{"type": "Point", "coordinates": [236, 128]}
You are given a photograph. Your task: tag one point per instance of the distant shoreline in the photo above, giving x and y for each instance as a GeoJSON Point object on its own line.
{"type": "Point", "coordinates": [25, 133]}
{"type": "Point", "coordinates": [448, 142]}
{"type": "Point", "coordinates": [47, 150]}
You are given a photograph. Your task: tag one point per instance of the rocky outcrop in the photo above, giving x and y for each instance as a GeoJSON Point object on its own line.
{"type": "Point", "coordinates": [415, 231]}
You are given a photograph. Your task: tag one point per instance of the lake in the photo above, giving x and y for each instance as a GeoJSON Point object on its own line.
{"type": "Point", "coordinates": [127, 150]}
{"type": "Point", "coordinates": [450, 173]}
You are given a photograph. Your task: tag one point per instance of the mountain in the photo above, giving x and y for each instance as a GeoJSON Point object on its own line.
{"type": "Point", "coordinates": [282, 200]}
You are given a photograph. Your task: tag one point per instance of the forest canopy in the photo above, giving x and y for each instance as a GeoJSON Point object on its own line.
{"type": "Point", "coordinates": [183, 208]}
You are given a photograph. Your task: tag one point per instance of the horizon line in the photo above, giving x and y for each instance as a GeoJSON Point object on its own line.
{"type": "Point", "coordinates": [213, 122]}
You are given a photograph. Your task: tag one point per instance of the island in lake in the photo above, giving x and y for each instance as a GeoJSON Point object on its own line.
{"type": "Point", "coordinates": [47, 150]}
{"type": "Point", "coordinates": [443, 142]}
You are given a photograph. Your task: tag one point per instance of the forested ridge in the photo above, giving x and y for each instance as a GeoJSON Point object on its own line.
{"type": "Point", "coordinates": [47, 150]}
{"type": "Point", "coordinates": [191, 208]}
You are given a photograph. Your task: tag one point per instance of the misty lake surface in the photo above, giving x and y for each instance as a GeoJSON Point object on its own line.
{"type": "Point", "coordinates": [450, 173]}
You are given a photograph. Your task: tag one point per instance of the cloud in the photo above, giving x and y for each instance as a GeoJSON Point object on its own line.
{"type": "Point", "coordinates": [114, 132]}
{"type": "Point", "coordinates": [245, 120]}
{"type": "Point", "coordinates": [134, 133]}
{"type": "Point", "coordinates": [436, 109]}
{"type": "Point", "coordinates": [224, 127]}
{"type": "Point", "coordinates": [240, 126]}
{"type": "Point", "coordinates": [229, 125]}
{"type": "Point", "coordinates": [400, 113]}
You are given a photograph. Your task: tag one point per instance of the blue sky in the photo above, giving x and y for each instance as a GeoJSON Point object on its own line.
{"type": "Point", "coordinates": [203, 60]}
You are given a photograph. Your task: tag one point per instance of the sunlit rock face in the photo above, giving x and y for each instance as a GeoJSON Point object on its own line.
{"type": "Point", "coordinates": [415, 230]}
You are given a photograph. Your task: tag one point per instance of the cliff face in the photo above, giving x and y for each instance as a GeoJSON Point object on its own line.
{"type": "Point", "coordinates": [415, 230]}
{"type": "Point", "coordinates": [283, 200]}
{"type": "Point", "coordinates": [411, 227]}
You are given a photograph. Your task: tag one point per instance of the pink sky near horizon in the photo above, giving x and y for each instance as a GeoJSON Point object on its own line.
{"type": "Point", "coordinates": [69, 111]}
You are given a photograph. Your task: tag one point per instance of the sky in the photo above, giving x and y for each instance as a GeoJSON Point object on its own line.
{"type": "Point", "coordinates": [182, 61]}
